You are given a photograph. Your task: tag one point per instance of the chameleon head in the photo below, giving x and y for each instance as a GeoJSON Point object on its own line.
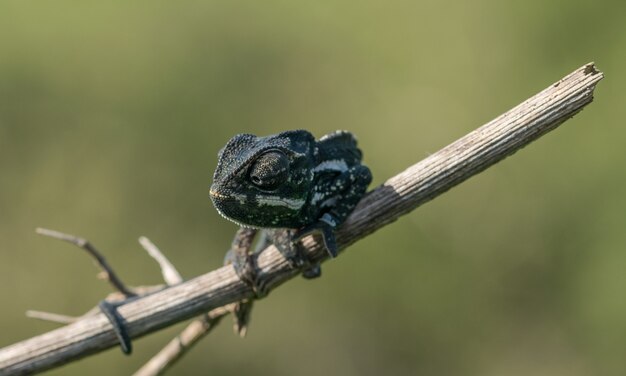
{"type": "Point", "coordinates": [264, 181]}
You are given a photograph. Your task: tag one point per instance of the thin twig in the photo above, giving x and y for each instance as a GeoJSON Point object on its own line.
{"type": "Point", "coordinates": [193, 332]}
{"type": "Point", "coordinates": [87, 246]}
{"type": "Point", "coordinates": [177, 347]}
{"type": "Point", "coordinates": [399, 195]}
{"type": "Point", "coordinates": [52, 317]}
{"type": "Point", "coordinates": [171, 276]}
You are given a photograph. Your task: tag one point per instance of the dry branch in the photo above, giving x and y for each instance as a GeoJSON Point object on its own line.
{"type": "Point", "coordinates": [404, 192]}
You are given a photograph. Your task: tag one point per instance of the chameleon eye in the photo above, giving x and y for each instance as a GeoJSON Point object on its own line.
{"type": "Point", "coordinates": [270, 170]}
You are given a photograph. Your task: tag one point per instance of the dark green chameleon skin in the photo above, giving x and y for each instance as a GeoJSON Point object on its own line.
{"type": "Point", "coordinates": [290, 185]}
{"type": "Point", "coordinates": [311, 177]}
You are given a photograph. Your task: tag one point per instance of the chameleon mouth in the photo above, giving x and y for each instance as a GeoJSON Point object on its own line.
{"type": "Point", "coordinates": [218, 201]}
{"type": "Point", "coordinates": [216, 194]}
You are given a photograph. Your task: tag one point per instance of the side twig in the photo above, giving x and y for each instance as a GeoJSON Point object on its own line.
{"type": "Point", "coordinates": [171, 276]}
{"type": "Point", "coordinates": [193, 332]}
{"type": "Point", "coordinates": [52, 317]}
{"type": "Point", "coordinates": [176, 348]}
{"type": "Point", "coordinates": [399, 195]}
{"type": "Point", "coordinates": [110, 275]}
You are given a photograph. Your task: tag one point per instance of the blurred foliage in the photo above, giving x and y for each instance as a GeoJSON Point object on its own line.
{"type": "Point", "coordinates": [111, 115]}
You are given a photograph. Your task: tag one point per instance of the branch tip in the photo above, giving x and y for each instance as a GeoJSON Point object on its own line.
{"type": "Point", "coordinates": [51, 317]}
{"type": "Point", "coordinates": [171, 276]}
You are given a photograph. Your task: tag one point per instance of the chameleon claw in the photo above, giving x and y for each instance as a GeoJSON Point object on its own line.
{"type": "Point", "coordinates": [313, 272]}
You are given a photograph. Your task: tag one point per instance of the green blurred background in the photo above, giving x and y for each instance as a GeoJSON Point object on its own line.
{"type": "Point", "coordinates": [111, 116]}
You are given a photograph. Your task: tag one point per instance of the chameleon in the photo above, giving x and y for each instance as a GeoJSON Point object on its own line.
{"type": "Point", "coordinates": [285, 186]}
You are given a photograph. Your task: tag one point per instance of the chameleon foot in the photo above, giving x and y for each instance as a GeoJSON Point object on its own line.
{"type": "Point", "coordinates": [245, 267]}
{"type": "Point", "coordinates": [110, 311]}
{"type": "Point", "coordinates": [326, 227]}
{"type": "Point", "coordinates": [286, 241]}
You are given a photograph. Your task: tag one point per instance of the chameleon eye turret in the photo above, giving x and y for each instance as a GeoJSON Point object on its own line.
{"type": "Point", "coordinates": [289, 185]}
{"type": "Point", "coordinates": [270, 170]}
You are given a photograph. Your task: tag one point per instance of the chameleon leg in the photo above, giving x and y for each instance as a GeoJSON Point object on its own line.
{"type": "Point", "coordinates": [239, 254]}
{"type": "Point", "coordinates": [243, 263]}
{"type": "Point", "coordinates": [285, 240]}
{"type": "Point", "coordinates": [325, 226]}
{"type": "Point", "coordinates": [351, 186]}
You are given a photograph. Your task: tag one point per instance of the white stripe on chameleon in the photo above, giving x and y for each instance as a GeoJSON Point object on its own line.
{"type": "Point", "coordinates": [293, 204]}
{"type": "Point", "coordinates": [333, 165]}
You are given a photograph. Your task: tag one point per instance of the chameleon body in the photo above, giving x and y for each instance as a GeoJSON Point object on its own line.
{"type": "Point", "coordinates": [289, 185]}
